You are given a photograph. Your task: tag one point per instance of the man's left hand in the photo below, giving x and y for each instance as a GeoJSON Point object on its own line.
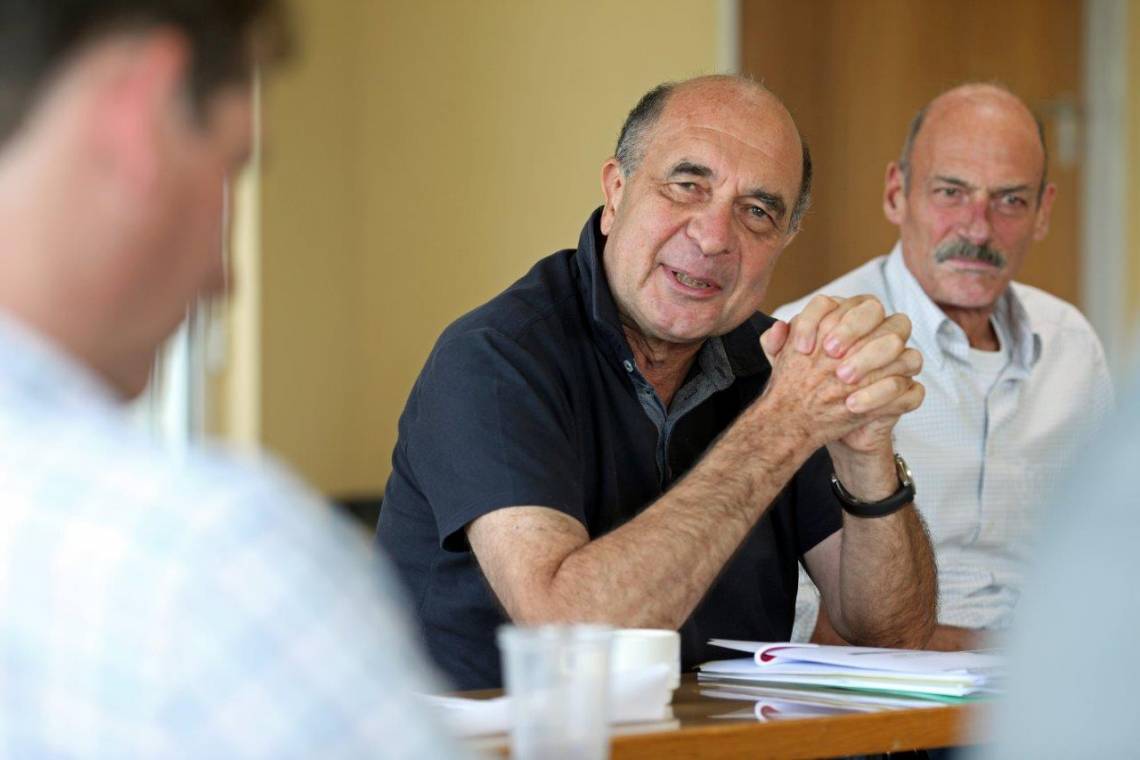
{"type": "Point", "coordinates": [874, 361]}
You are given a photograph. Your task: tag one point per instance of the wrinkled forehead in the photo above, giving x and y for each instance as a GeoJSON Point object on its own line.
{"type": "Point", "coordinates": [993, 141]}
{"type": "Point", "coordinates": [749, 139]}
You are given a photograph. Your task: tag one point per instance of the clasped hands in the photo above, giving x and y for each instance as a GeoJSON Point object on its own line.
{"type": "Point", "coordinates": [843, 374]}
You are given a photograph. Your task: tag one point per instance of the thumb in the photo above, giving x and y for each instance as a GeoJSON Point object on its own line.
{"type": "Point", "coordinates": [773, 340]}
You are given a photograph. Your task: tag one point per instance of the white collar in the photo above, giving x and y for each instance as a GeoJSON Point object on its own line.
{"type": "Point", "coordinates": [937, 336]}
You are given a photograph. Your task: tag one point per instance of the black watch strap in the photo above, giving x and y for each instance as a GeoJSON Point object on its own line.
{"type": "Point", "coordinates": [889, 505]}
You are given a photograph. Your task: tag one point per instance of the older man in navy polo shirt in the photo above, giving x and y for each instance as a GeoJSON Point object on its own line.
{"type": "Point", "coordinates": [621, 437]}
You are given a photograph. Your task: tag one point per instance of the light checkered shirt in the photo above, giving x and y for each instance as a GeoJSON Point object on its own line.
{"type": "Point", "coordinates": [983, 463]}
{"type": "Point", "coordinates": [157, 606]}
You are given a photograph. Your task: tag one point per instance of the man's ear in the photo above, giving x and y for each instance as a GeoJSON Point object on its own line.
{"type": "Point", "coordinates": [894, 194]}
{"type": "Point", "coordinates": [144, 87]}
{"type": "Point", "coordinates": [613, 185]}
{"type": "Point", "coordinates": [1044, 212]}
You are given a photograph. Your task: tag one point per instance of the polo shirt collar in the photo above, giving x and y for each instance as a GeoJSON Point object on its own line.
{"type": "Point", "coordinates": [937, 336]}
{"type": "Point", "coordinates": [595, 289]}
{"type": "Point", "coordinates": [740, 346]}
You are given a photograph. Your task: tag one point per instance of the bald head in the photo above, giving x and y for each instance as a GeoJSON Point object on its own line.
{"type": "Point", "coordinates": [969, 197]}
{"type": "Point", "coordinates": [968, 107]}
{"type": "Point", "coordinates": [720, 91]}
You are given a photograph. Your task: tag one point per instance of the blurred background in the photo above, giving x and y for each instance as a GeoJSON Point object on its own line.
{"type": "Point", "coordinates": [421, 155]}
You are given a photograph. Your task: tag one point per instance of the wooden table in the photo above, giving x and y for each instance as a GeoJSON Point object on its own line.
{"type": "Point", "coordinates": [696, 733]}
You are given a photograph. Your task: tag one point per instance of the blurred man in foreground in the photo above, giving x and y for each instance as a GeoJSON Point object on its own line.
{"type": "Point", "coordinates": [1016, 379]}
{"type": "Point", "coordinates": [608, 440]}
{"type": "Point", "coordinates": [1073, 665]}
{"type": "Point", "coordinates": [155, 606]}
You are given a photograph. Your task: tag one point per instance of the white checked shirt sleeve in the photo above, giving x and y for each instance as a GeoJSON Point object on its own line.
{"type": "Point", "coordinates": [199, 607]}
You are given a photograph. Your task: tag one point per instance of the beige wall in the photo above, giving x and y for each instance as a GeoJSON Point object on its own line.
{"type": "Point", "coordinates": [419, 158]}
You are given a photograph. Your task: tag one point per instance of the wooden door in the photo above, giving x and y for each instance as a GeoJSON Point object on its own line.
{"type": "Point", "coordinates": [853, 73]}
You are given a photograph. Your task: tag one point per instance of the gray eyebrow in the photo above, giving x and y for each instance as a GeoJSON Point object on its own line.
{"type": "Point", "coordinates": [688, 167]}
{"type": "Point", "coordinates": [773, 202]}
{"type": "Point", "coordinates": [953, 181]}
{"type": "Point", "coordinates": [1023, 188]}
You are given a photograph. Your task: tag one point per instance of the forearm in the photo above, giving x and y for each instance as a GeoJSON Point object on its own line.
{"type": "Point", "coordinates": [652, 571]}
{"type": "Point", "coordinates": [946, 638]}
{"type": "Point", "coordinates": [887, 579]}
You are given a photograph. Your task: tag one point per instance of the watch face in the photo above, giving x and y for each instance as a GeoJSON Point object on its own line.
{"type": "Point", "coordinates": [905, 474]}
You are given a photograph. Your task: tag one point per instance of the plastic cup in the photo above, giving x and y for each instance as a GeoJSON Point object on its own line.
{"type": "Point", "coordinates": [557, 678]}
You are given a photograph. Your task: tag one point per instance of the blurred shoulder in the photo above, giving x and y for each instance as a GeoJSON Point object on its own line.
{"type": "Point", "coordinates": [90, 466]}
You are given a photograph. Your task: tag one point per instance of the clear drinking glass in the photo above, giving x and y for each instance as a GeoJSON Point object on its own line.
{"type": "Point", "coordinates": [557, 678]}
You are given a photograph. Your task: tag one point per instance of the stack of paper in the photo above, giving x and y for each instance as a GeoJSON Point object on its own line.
{"type": "Point", "coordinates": [851, 678]}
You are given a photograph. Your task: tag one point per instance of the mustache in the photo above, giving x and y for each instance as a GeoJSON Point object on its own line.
{"type": "Point", "coordinates": [964, 249]}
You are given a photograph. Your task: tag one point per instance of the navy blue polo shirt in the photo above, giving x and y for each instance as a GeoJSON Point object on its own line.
{"type": "Point", "coordinates": [534, 399]}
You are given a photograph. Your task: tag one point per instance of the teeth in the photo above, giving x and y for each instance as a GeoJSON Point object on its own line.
{"type": "Point", "coordinates": [690, 282]}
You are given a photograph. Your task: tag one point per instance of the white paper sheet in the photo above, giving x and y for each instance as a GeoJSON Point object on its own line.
{"type": "Point", "coordinates": [910, 661]}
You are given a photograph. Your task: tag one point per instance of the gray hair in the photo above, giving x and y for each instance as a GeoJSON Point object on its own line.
{"type": "Point", "coordinates": [643, 118]}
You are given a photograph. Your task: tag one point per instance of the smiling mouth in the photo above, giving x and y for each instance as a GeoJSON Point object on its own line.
{"type": "Point", "coordinates": [691, 282]}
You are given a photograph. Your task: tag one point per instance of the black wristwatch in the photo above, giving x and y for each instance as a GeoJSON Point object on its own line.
{"type": "Point", "coordinates": [889, 505]}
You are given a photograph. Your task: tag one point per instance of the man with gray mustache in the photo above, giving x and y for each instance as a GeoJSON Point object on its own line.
{"type": "Point", "coordinates": [964, 250]}
{"type": "Point", "coordinates": [1015, 378]}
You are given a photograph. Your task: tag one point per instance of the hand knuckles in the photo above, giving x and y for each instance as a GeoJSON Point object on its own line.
{"type": "Point", "coordinates": [821, 302]}
{"type": "Point", "coordinates": [902, 322]}
{"type": "Point", "coordinates": [875, 308]}
{"type": "Point", "coordinates": [911, 399]}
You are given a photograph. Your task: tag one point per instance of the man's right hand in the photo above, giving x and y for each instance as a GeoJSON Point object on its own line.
{"type": "Point", "coordinates": [848, 376]}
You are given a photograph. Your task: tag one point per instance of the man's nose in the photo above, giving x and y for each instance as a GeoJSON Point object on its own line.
{"type": "Point", "coordinates": [976, 227]}
{"type": "Point", "coordinates": [711, 228]}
